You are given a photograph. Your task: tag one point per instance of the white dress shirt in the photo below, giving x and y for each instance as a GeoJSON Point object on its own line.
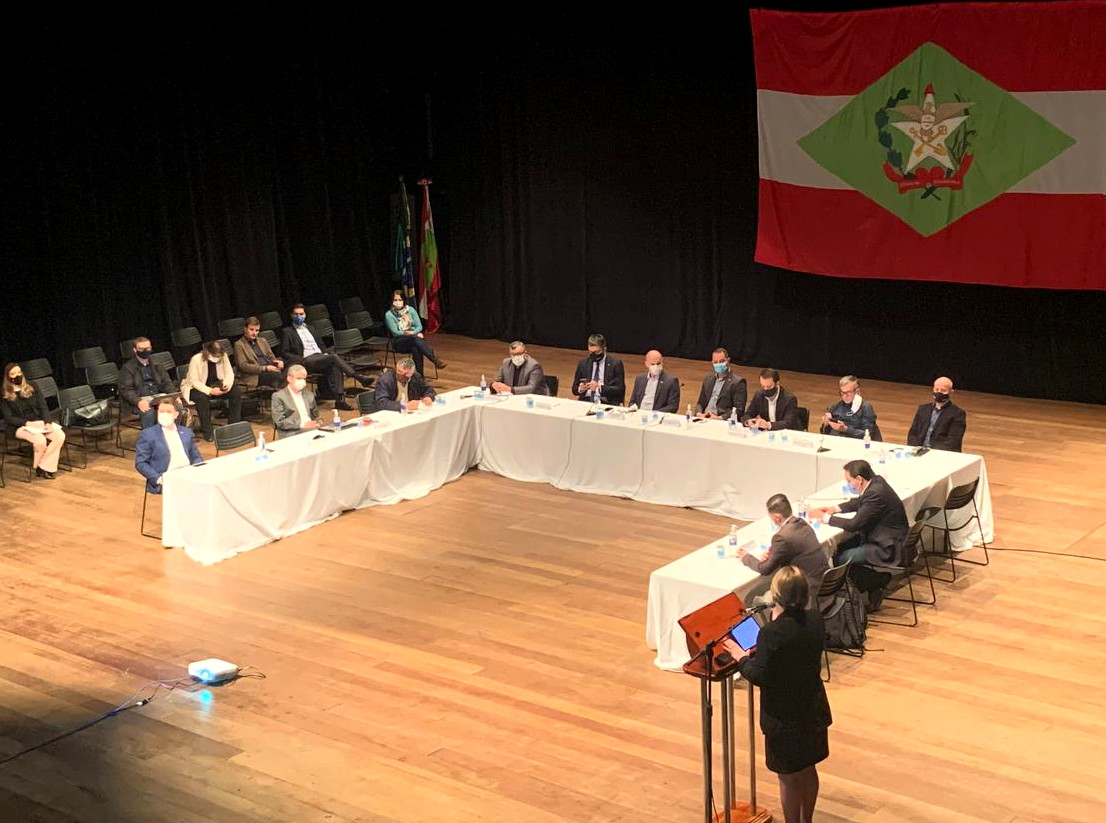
{"type": "Point", "coordinates": [178, 459]}
{"type": "Point", "coordinates": [301, 407]}
{"type": "Point", "coordinates": [310, 345]}
{"type": "Point", "coordinates": [650, 393]}
{"type": "Point", "coordinates": [772, 406]}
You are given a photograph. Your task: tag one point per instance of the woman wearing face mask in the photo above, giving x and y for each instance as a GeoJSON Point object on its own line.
{"type": "Point", "coordinates": [27, 418]}
{"type": "Point", "coordinates": [406, 329]}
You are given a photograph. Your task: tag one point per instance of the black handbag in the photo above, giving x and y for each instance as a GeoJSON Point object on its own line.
{"type": "Point", "coordinates": [94, 414]}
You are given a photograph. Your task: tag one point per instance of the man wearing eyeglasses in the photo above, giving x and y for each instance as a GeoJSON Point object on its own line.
{"type": "Point", "coordinates": [852, 415]}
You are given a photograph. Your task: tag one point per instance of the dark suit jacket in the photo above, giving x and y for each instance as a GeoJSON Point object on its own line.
{"type": "Point", "coordinates": [795, 544]}
{"type": "Point", "coordinates": [151, 455]}
{"type": "Point", "coordinates": [291, 345]}
{"type": "Point", "coordinates": [130, 383]}
{"type": "Point", "coordinates": [880, 520]}
{"type": "Point", "coordinates": [614, 380]}
{"type": "Point", "coordinates": [21, 409]}
{"type": "Point", "coordinates": [387, 390]}
{"type": "Point", "coordinates": [786, 665]}
{"type": "Point", "coordinates": [864, 420]}
{"type": "Point", "coordinates": [667, 398]}
{"type": "Point", "coordinates": [949, 432]}
{"type": "Point", "coordinates": [731, 397]}
{"type": "Point", "coordinates": [787, 410]}
{"type": "Point", "coordinates": [532, 380]}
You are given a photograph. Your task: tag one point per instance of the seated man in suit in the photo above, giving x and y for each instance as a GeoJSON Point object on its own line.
{"type": "Point", "coordinates": [164, 447]}
{"type": "Point", "coordinates": [139, 380]}
{"type": "Point", "coordinates": [294, 408]}
{"type": "Point", "coordinates": [519, 373]}
{"type": "Point", "coordinates": [211, 377]}
{"type": "Point", "coordinates": [257, 365]}
{"type": "Point", "coordinates": [852, 415]}
{"type": "Point", "coordinates": [403, 388]}
{"type": "Point", "coordinates": [299, 346]}
{"type": "Point", "coordinates": [940, 424]}
{"type": "Point", "coordinates": [794, 544]}
{"type": "Point", "coordinates": [772, 407]}
{"type": "Point", "coordinates": [723, 389]}
{"type": "Point", "coordinates": [656, 390]}
{"type": "Point", "coordinates": [599, 376]}
{"type": "Point", "coordinates": [878, 530]}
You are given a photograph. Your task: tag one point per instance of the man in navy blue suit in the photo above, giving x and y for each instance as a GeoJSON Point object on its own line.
{"type": "Point", "coordinates": [164, 447]}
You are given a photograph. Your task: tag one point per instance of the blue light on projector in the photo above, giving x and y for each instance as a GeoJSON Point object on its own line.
{"type": "Point", "coordinates": [204, 675]}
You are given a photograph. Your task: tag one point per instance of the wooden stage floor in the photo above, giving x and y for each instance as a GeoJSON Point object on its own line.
{"type": "Point", "coordinates": [479, 655]}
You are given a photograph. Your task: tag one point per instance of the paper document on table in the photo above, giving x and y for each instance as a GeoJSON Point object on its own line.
{"type": "Point", "coordinates": [753, 548]}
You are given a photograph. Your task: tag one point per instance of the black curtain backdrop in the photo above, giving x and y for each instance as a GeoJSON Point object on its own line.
{"type": "Point", "coordinates": [589, 175]}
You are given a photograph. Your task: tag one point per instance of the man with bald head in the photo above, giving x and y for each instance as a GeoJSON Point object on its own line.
{"type": "Point", "coordinates": [656, 390]}
{"type": "Point", "coordinates": [939, 424]}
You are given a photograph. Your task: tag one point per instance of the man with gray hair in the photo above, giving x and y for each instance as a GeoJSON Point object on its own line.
{"type": "Point", "coordinates": [599, 377]}
{"type": "Point", "coordinates": [519, 373]}
{"type": "Point", "coordinates": [402, 389]}
{"type": "Point", "coordinates": [294, 407]}
{"type": "Point", "coordinates": [851, 415]}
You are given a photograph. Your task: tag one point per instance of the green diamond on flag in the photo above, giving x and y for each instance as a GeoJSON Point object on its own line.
{"type": "Point", "coordinates": [932, 140]}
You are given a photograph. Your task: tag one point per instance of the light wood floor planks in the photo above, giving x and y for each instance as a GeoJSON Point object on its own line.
{"type": "Point", "coordinates": [479, 655]}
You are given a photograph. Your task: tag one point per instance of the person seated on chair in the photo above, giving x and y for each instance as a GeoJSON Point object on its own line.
{"type": "Point", "coordinates": [164, 447]}
{"type": "Point", "coordinates": [211, 377]}
{"type": "Point", "coordinates": [140, 379]}
{"type": "Point", "coordinates": [26, 417]}
{"type": "Point", "coordinates": [299, 347]}
{"type": "Point", "coordinates": [794, 544]}
{"type": "Point", "coordinates": [403, 388]}
{"type": "Point", "coordinates": [257, 365]}
{"type": "Point", "coordinates": [655, 390]}
{"type": "Point", "coordinates": [405, 326]}
{"type": "Point", "coordinates": [599, 376]}
{"type": "Point", "coordinates": [772, 407]}
{"type": "Point", "coordinates": [876, 534]}
{"type": "Point", "coordinates": [294, 408]}
{"type": "Point", "coordinates": [519, 373]}
{"type": "Point", "coordinates": [723, 389]}
{"type": "Point", "coordinates": [852, 415]}
{"type": "Point", "coordinates": [940, 424]}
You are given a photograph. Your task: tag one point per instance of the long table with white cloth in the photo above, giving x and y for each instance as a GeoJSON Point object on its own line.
{"type": "Point", "coordinates": [241, 501]}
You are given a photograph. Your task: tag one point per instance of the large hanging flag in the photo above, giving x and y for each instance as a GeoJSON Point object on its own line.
{"type": "Point", "coordinates": [430, 279]}
{"type": "Point", "coordinates": [404, 266]}
{"type": "Point", "coordinates": [960, 142]}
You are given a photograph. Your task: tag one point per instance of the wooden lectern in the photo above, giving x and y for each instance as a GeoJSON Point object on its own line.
{"type": "Point", "coordinates": [705, 630]}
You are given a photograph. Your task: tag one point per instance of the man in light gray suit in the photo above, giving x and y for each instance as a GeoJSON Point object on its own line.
{"type": "Point", "coordinates": [294, 407]}
{"type": "Point", "coordinates": [519, 373]}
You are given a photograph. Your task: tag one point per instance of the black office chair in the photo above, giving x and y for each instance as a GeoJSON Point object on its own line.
{"type": "Point", "coordinates": [316, 312]}
{"type": "Point", "coordinates": [34, 369]}
{"type": "Point", "coordinates": [186, 342]}
{"type": "Point", "coordinates": [142, 523]}
{"type": "Point", "coordinates": [77, 397]}
{"type": "Point", "coordinates": [913, 550]}
{"type": "Point", "coordinates": [233, 436]}
{"type": "Point", "coordinates": [103, 379]}
{"type": "Point", "coordinates": [165, 360]}
{"type": "Point", "coordinates": [347, 345]}
{"type": "Point", "coordinates": [836, 593]}
{"type": "Point", "coordinates": [48, 388]}
{"type": "Point", "coordinates": [553, 383]}
{"type": "Point", "coordinates": [126, 349]}
{"type": "Point", "coordinates": [958, 498]}
{"type": "Point", "coordinates": [348, 305]}
{"type": "Point", "coordinates": [271, 320]}
{"type": "Point", "coordinates": [323, 330]}
{"type": "Point", "coordinates": [803, 414]}
{"type": "Point", "coordinates": [83, 359]}
{"type": "Point", "coordinates": [366, 402]}
{"type": "Point", "coordinates": [232, 328]}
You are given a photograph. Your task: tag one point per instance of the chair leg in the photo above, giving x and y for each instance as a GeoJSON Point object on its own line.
{"type": "Point", "coordinates": [986, 561]}
{"type": "Point", "coordinates": [912, 600]}
{"type": "Point", "coordinates": [829, 672]}
{"type": "Point", "coordinates": [142, 525]}
{"type": "Point", "coordinates": [945, 553]}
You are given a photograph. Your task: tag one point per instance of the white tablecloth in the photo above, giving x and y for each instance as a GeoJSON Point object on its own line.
{"type": "Point", "coordinates": [236, 503]}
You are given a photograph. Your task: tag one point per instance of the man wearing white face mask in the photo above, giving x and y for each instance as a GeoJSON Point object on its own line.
{"type": "Point", "coordinates": [164, 447]}
{"type": "Point", "coordinates": [519, 373]}
{"type": "Point", "coordinates": [294, 407]}
{"type": "Point", "coordinates": [655, 390]}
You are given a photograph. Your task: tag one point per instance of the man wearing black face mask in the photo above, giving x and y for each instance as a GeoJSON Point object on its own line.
{"type": "Point", "coordinates": [139, 380]}
{"type": "Point", "coordinates": [940, 424]}
{"type": "Point", "coordinates": [773, 407]}
{"type": "Point", "coordinates": [600, 377]}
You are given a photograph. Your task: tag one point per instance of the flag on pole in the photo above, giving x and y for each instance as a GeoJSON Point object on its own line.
{"type": "Point", "coordinates": [430, 280]}
{"type": "Point", "coordinates": [405, 267]}
{"type": "Point", "coordinates": [957, 142]}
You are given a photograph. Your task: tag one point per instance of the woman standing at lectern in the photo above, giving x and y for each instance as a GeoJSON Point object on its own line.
{"type": "Point", "coordinates": [794, 712]}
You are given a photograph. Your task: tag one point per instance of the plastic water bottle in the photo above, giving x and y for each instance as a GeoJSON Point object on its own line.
{"type": "Point", "coordinates": [261, 441]}
{"type": "Point", "coordinates": [732, 422]}
{"type": "Point", "coordinates": [337, 420]}
{"type": "Point", "coordinates": [802, 509]}
{"type": "Point", "coordinates": [882, 454]}
{"type": "Point", "coordinates": [733, 541]}
{"type": "Point", "coordinates": [687, 417]}
{"type": "Point", "coordinates": [483, 387]}
{"type": "Point", "coordinates": [867, 439]}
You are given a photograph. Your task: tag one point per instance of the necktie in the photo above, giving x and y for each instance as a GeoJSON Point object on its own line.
{"type": "Point", "coordinates": [518, 374]}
